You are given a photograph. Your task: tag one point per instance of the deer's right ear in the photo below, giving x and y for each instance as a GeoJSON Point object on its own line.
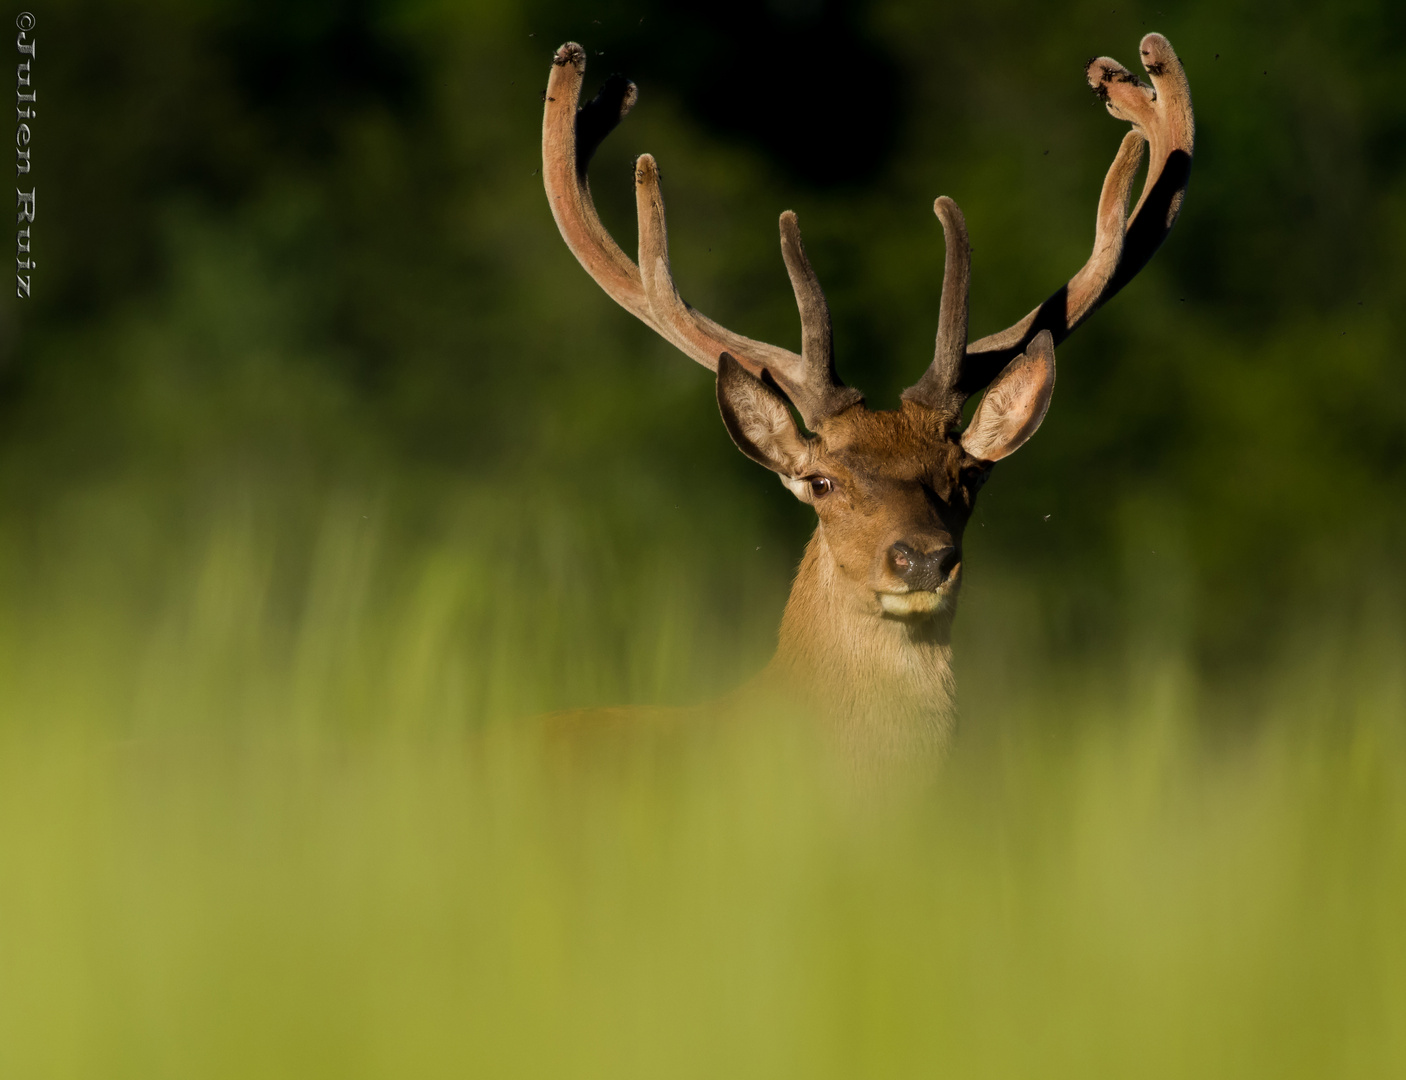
{"type": "Point", "coordinates": [759, 420]}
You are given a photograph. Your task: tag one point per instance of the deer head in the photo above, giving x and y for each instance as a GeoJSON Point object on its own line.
{"type": "Point", "coordinates": [893, 490]}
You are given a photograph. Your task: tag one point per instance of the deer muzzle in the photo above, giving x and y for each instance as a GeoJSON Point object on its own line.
{"type": "Point", "coordinates": [923, 580]}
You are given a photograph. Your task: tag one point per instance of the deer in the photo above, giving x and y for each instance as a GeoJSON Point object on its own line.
{"type": "Point", "coordinates": [866, 634]}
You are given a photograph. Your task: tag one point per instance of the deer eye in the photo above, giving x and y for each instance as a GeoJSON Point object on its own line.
{"type": "Point", "coordinates": [821, 485]}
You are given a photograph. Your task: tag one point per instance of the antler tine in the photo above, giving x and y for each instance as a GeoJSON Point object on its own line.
{"type": "Point", "coordinates": [809, 379]}
{"type": "Point", "coordinates": [937, 388]}
{"type": "Point", "coordinates": [647, 291]}
{"type": "Point", "coordinates": [817, 348]}
{"type": "Point", "coordinates": [1162, 120]}
{"type": "Point", "coordinates": [564, 161]}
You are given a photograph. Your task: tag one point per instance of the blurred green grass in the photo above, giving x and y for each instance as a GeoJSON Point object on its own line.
{"type": "Point", "coordinates": [241, 836]}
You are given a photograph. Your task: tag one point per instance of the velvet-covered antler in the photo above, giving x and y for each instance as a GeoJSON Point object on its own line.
{"type": "Point", "coordinates": [1162, 120]}
{"type": "Point", "coordinates": [570, 137]}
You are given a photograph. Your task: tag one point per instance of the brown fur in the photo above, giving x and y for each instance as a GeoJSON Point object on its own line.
{"type": "Point", "coordinates": [881, 680]}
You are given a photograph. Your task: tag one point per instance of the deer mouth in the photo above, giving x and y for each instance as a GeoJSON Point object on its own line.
{"type": "Point", "coordinates": [916, 603]}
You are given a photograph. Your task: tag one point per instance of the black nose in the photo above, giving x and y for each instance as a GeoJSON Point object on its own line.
{"type": "Point", "coordinates": [922, 571]}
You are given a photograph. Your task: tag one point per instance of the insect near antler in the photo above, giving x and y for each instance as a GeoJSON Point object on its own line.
{"type": "Point", "coordinates": [867, 629]}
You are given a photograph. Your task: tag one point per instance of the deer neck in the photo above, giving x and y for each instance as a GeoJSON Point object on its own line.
{"type": "Point", "coordinates": [881, 682]}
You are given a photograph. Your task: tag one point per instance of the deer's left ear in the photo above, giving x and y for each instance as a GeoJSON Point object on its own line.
{"type": "Point", "coordinates": [759, 420]}
{"type": "Point", "coordinates": [1015, 404]}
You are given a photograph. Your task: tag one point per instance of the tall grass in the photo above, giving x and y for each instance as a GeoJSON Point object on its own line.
{"type": "Point", "coordinates": [287, 815]}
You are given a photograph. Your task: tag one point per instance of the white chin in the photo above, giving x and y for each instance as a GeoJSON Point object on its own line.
{"type": "Point", "coordinates": [912, 603]}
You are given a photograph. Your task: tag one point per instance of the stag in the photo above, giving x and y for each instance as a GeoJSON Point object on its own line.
{"type": "Point", "coordinates": [866, 634]}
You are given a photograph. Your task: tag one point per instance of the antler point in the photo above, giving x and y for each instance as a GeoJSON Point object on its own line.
{"type": "Point", "coordinates": [570, 53]}
{"type": "Point", "coordinates": [790, 232]}
{"type": "Point", "coordinates": [646, 168]}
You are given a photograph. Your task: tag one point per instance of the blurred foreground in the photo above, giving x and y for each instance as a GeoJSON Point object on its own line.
{"type": "Point", "coordinates": [245, 838]}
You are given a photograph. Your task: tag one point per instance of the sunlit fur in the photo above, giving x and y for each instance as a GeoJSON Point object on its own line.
{"type": "Point", "coordinates": [874, 657]}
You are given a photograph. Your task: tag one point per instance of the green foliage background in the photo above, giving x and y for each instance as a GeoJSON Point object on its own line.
{"type": "Point", "coordinates": [321, 461]}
